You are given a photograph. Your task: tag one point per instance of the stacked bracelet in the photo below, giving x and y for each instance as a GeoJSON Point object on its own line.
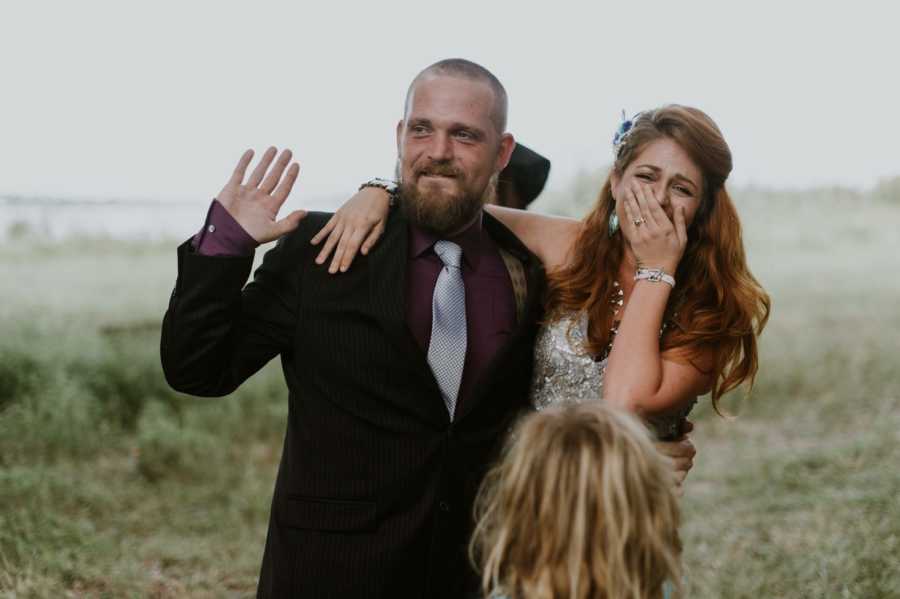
{"type": "Point", "coordinates": [386, 184]}
{"type": "Point", "coordinates": [654, 275]}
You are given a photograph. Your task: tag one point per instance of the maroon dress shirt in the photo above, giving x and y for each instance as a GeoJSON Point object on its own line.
{"type": "Point", "coordinates": [221, 235]}
{"type": "Point", "coordinates": [490, 304]}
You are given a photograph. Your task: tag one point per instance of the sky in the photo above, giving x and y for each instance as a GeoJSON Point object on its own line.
{"type": "Point", "coordinates": [157, 100]}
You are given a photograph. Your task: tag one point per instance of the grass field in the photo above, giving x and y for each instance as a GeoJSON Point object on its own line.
{"type": "Point", "coordinates": [111, 485]}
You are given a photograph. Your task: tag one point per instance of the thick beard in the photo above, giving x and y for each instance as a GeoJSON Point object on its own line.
{"type": "Point", "coordinates": [439, 212]}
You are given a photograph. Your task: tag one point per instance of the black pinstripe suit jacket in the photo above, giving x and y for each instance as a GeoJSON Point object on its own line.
{"type": "Point", "coordinates": [375, 488]}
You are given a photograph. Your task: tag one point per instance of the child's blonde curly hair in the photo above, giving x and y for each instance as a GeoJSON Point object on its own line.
{"type": "Point", "coordinates": [580, 506]}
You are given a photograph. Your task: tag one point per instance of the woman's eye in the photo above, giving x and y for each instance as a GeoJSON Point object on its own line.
{"type": "Point", "coordinates": [684, 190]}
{"type": "Point", "coordinates": [644, 176]}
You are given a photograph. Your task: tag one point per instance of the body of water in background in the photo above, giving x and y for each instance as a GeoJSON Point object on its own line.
{"type": "Point", "coordinates": [57, 219]}
{"type": "Point", "coordinates": [61, 219]}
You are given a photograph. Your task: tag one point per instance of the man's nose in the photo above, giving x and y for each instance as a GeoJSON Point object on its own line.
{"type": "Point", "coordinates": [441, 147]}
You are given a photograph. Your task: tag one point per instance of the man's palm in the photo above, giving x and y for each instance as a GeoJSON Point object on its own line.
{"type": "Point", "coordinates": [255, 203]}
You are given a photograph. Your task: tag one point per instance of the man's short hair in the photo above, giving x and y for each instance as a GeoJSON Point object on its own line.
{"type": "Point", "coordinates": [466, 69]}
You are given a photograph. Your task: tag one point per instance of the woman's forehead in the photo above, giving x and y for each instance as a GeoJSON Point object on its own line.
{"type": "Point", "coordinates": [666, 155]}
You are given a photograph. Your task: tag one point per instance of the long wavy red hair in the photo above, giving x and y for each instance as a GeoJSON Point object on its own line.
{"type": "Point", "coordinates": [718, 305]}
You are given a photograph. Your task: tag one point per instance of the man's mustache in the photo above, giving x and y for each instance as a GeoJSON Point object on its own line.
{"type": "Point", "coordinates": [438, 170]}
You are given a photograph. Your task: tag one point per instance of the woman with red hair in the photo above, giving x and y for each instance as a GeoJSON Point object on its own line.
{"type": "Point", "coordinates": [650, 301]}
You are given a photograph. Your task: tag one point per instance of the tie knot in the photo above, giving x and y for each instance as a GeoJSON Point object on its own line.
{"type": "Point", "coordinates": [449, 253]}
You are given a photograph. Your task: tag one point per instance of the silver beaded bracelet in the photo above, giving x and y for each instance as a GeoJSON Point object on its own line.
{"type": "Point", "coordinates": [654, 275]}
{"type": "Point", "coordinates": [386, 184]}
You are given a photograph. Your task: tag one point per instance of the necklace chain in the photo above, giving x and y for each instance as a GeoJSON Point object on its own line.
{"type": "Point", "coordinates": [616, 301]}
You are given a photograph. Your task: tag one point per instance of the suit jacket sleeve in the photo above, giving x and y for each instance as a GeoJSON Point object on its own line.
{"type": "Point", "coordinates": [215, 334]}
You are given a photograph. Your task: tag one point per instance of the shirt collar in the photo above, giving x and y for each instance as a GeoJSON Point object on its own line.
{"type": "Point", "coordinates": [469, 240]}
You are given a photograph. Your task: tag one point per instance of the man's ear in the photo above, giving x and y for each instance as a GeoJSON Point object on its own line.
{"type": "Point", "coordinates": [399, 135]}
{"type": "Point", "coordinates": [507, 145]}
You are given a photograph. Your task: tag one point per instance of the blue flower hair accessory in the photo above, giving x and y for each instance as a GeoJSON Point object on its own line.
{"type": "Point", "coordinates": [623, 132]}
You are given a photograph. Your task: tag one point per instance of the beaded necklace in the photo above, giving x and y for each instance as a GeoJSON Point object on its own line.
{"type": "Point", "coordinates": [616, 301]}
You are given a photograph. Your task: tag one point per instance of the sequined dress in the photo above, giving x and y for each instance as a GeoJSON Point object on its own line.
{"type": "Point", "coordinates": [565, 373]}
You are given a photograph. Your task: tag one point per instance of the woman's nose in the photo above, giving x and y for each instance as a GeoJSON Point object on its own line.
{"type": "Point", "coordinates": [663, 195]}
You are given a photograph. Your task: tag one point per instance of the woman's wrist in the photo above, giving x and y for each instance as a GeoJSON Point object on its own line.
{"type": "Point", "coordinates": [654, 275]}
{"type": "Point", "coordinates": [389, 187]}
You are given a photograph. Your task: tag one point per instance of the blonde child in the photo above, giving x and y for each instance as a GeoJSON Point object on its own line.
{"type": "Point", "coordinates": [580, 506]}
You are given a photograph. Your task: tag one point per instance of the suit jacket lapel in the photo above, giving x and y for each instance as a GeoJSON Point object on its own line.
{"type": "Point", "coordinates": [533, 307]}
{"type": "Point", "coordinates": [387, 285]}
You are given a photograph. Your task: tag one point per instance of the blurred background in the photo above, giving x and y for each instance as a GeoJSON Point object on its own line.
{"type": "Point", "coordinates": [119, 122]}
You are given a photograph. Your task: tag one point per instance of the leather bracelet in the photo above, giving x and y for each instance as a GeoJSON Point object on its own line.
{"type": "Point", "coordinates": [386, 184]}
{"type": "Point", "coordinates": [654, 275]}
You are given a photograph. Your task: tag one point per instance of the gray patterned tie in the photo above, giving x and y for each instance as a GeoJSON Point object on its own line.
{"type": "Point", "coordinates": [447, 349]}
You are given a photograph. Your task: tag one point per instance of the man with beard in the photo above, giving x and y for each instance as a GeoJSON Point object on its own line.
{"type": "Point", "coordinates": [403, 374]}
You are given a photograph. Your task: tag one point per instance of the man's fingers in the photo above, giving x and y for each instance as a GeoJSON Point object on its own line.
{"type": "Point", "coordinates": [332, 240]}
{"type": "Point", "coordinates": [373, 237]}
{"type": "Point", "coordinates": [688, 445]}
{"type": "Point", "coordinates": [683, 464]}
{"type": "Point", "coordinates": [274, 175]}
{"type": "Point", "coordinates": [237, 177]}
{"type": "Point", "coordinates": [257, 176]}
{"type": "Point", "coordinates": [289, 222]}
{"type": "Point", "coordinates": [666, 448]}
{"type": "Point", "coordinates": [683, 449]}
{"type": "Point", "coordinates": [324, 230]}
{"type": "Point", "coordinates": [284, 188]}
{"type": "Point", "coordinates": [677, 449]}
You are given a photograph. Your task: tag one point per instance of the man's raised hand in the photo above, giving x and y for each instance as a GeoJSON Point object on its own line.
{"type": "Point", "coordinates": [255, 203]}
{"type": "Point", "coordinates": [681, 452]}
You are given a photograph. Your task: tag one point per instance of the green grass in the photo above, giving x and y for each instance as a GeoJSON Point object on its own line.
{"type": "Point", "coordinates": [798, 496]}
{"type": "Point", "coordinates": [112, 485]}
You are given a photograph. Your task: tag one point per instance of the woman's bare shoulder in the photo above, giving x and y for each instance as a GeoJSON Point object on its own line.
{"type": "Point", "coordinates": [561, 235]}
{"type": "Point", "coordinates": [548, 237]}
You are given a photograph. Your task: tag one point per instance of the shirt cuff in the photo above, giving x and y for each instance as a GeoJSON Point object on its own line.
{"type": "Point", "coordinates": [221, 235]}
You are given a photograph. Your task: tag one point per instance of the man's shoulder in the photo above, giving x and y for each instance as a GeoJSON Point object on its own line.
{"type": "Point", "coordinates": [295, 247]}
{"type": "Point", "coordinates": [312, 223]}
{"type": "Point", "coordinates": [298, 239]}
{"type": "Point", "coordinates": [293, 250]}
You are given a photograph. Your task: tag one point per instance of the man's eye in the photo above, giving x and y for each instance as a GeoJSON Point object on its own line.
{"type": "Point", "coordinates": [463, 135]}
{"type": "Point", "coordinates": [419, 129]}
